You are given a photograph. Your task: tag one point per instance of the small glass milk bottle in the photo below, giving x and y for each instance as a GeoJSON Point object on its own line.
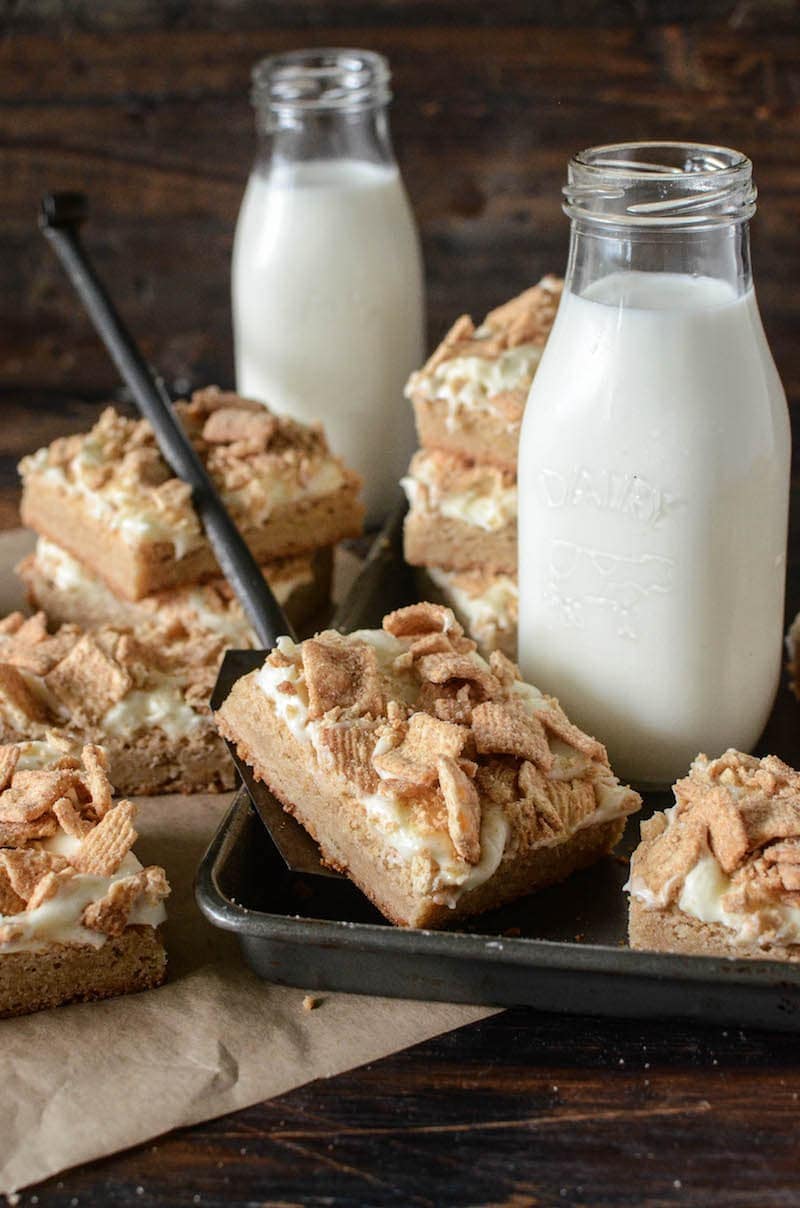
{"type": "Point", "coordinates": [328, 301]}
{"type": "Point", "coordinates": [654, 467]}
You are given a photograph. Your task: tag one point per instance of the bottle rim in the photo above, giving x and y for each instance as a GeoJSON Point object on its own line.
{"type": "Point", "coordinates": [660, 183]}
{"type": "Point", "coordinates": [321, 79]}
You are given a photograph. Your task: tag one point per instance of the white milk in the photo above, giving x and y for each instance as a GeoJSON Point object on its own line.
{"type": "Point", "coordinates": [653, 499]}
{"type": "Point", "coordinates": [328, 308]}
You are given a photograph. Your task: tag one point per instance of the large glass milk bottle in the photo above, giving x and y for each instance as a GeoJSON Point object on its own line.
{"type": "Point", "coordinates": [654, 467]}
{"type": "Point", "coordinates": [328, 303]}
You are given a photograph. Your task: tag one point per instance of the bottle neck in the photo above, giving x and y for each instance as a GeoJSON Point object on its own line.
{"type": "Point", "coordinates": [596, 251]}
{"type": "Point", "coordinates": [297, 137]}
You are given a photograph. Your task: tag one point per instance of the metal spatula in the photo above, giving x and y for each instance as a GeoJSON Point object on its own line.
{"type": "Point", "coordinates": [385, 582]}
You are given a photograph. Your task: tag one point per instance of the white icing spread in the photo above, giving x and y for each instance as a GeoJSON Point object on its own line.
{"type": "Point", "coordinates": [127, 509]}
{"type": "Point", "coordinates": [144, 709]}
{"type": "Point", "coordinates": [473, 381]}
{"type": "Point", "coordinates": [122, 507]}
{"type": "Point", "coordinates": [71, 578]}
{"type": "Point", "coordinates": [452, 876]}
{"type": "Point", "coordinates": [292, 708]}
{"type": "Point", "coordinates": [489, 510]}
{"type": "Point", "coordinates": [59, 919]}
{"type": "Point", "coordinates": [36, 754]}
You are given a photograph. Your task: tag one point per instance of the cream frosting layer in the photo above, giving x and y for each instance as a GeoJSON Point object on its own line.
{"type": "Point", "coordinates": [125, 508]}
{"type": "Point", "coordinates": [489, 505]}
{"type": "Point", "coordinates": [58, 920]}
{"type": "Point", "coordinates": [474, 381]}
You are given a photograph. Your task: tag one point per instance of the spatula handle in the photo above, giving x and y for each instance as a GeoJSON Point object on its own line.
{"type": "Point", "coordinates": [61, 217]}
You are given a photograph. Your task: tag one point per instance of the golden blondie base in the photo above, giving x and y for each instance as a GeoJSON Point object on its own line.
{"type": "Point", "coordinates": [152, 763]}
{"type": "Point", "coordinates": [431, 539]}
{"type": "Point", "coordinates": [305, 603]}
{"type": "Point", "coordinates": [479, 434]}
{"type": "Point", "coordinates": [338, 824]}
{"type": "Point", "coordinates": [135, 571]}
{"type": "Point", "coordinates": [672, 930]}
{"type": "Point", "coordinates": [65, 973]}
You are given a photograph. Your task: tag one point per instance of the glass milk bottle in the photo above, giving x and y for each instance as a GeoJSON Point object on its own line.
{"type": "Point", "coordinates": [654, 467]}
{"type": "Point", "coordinates": [328, 301]}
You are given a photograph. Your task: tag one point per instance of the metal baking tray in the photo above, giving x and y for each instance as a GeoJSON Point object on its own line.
{"type": "Point", "coordinates": [562, 949]}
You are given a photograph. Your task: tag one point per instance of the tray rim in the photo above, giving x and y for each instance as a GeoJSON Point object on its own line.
{"type": "Point", "coordinates": [553, 955]}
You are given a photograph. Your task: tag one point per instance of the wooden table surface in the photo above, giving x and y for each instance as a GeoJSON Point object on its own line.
{"type": "Point", "coordinates": [144, 105]}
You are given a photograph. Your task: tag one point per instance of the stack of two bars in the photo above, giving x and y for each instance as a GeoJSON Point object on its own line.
{"type": "Point", "coordinates": [119, 540]}
{"type": "Point", "coordinates": [462, 484]}
{"type": "Point", "coordinates": [134, 616]}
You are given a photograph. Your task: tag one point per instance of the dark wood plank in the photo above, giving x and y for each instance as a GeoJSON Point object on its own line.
{"type": "Point", "coordinates": [521, 1110]}
{"type": "Point", "coordinates": [157, 128]}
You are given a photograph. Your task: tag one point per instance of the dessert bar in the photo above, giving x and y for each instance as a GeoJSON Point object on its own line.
{"type": "Point", "coordinates": [718, 874]}
{"type": "Point", "coordinates": [80, 918]}
{"type": "Point", "coordinates": [462, 515]}
{"type": "Point", "coordinates": [109, 499]}
{"type": "Point", "coordinates": [143, 699]}
{"type": "Point", "coordinates": [470, 396]}
{"type": "Point", "coordinates": [440, 783]}
{"type": "Point", "coordinates": [68, 593]}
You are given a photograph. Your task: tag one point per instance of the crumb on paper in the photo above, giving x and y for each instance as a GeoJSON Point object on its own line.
{"type": "Point", "coordinates": [310, 1002]}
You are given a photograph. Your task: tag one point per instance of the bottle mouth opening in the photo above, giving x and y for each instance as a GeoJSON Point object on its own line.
{"type": "Point", "coordinates": [325, 79]}
{"type": "Point", "coordinates": [659, 184]}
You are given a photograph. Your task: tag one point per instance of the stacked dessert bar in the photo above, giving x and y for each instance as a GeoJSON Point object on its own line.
{"type": "Point", "coordinates": [120, 543]}
{"type": "Point", "coordinates": [462, 484]}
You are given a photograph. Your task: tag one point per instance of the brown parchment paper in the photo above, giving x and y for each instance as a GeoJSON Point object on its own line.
{"type": "Point", "coordinates": [87, 1080]}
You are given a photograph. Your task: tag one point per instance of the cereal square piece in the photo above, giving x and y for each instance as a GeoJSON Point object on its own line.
{"type": "Point", "coordinates": [421, 771]}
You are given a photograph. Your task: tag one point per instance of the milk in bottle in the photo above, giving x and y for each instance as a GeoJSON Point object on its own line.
{"type": "Point", "coordinates": [328, 305]}
{"type": "Point", "coordinates": [654, 468]}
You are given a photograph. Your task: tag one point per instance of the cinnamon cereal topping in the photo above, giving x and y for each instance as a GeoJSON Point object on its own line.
{"type": "Point", "coordinates": [505, 728]}
{"type": "Point", "coordinates": [75, 800]}
{"type": "Point", "coordinates": [742, 810]}
{"type": "Point", "coordinates": [414, 715]}
{"type": "Point", "coordinates": [341, 675]}
{"type": "Point", "coordinates": [463, 809]}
